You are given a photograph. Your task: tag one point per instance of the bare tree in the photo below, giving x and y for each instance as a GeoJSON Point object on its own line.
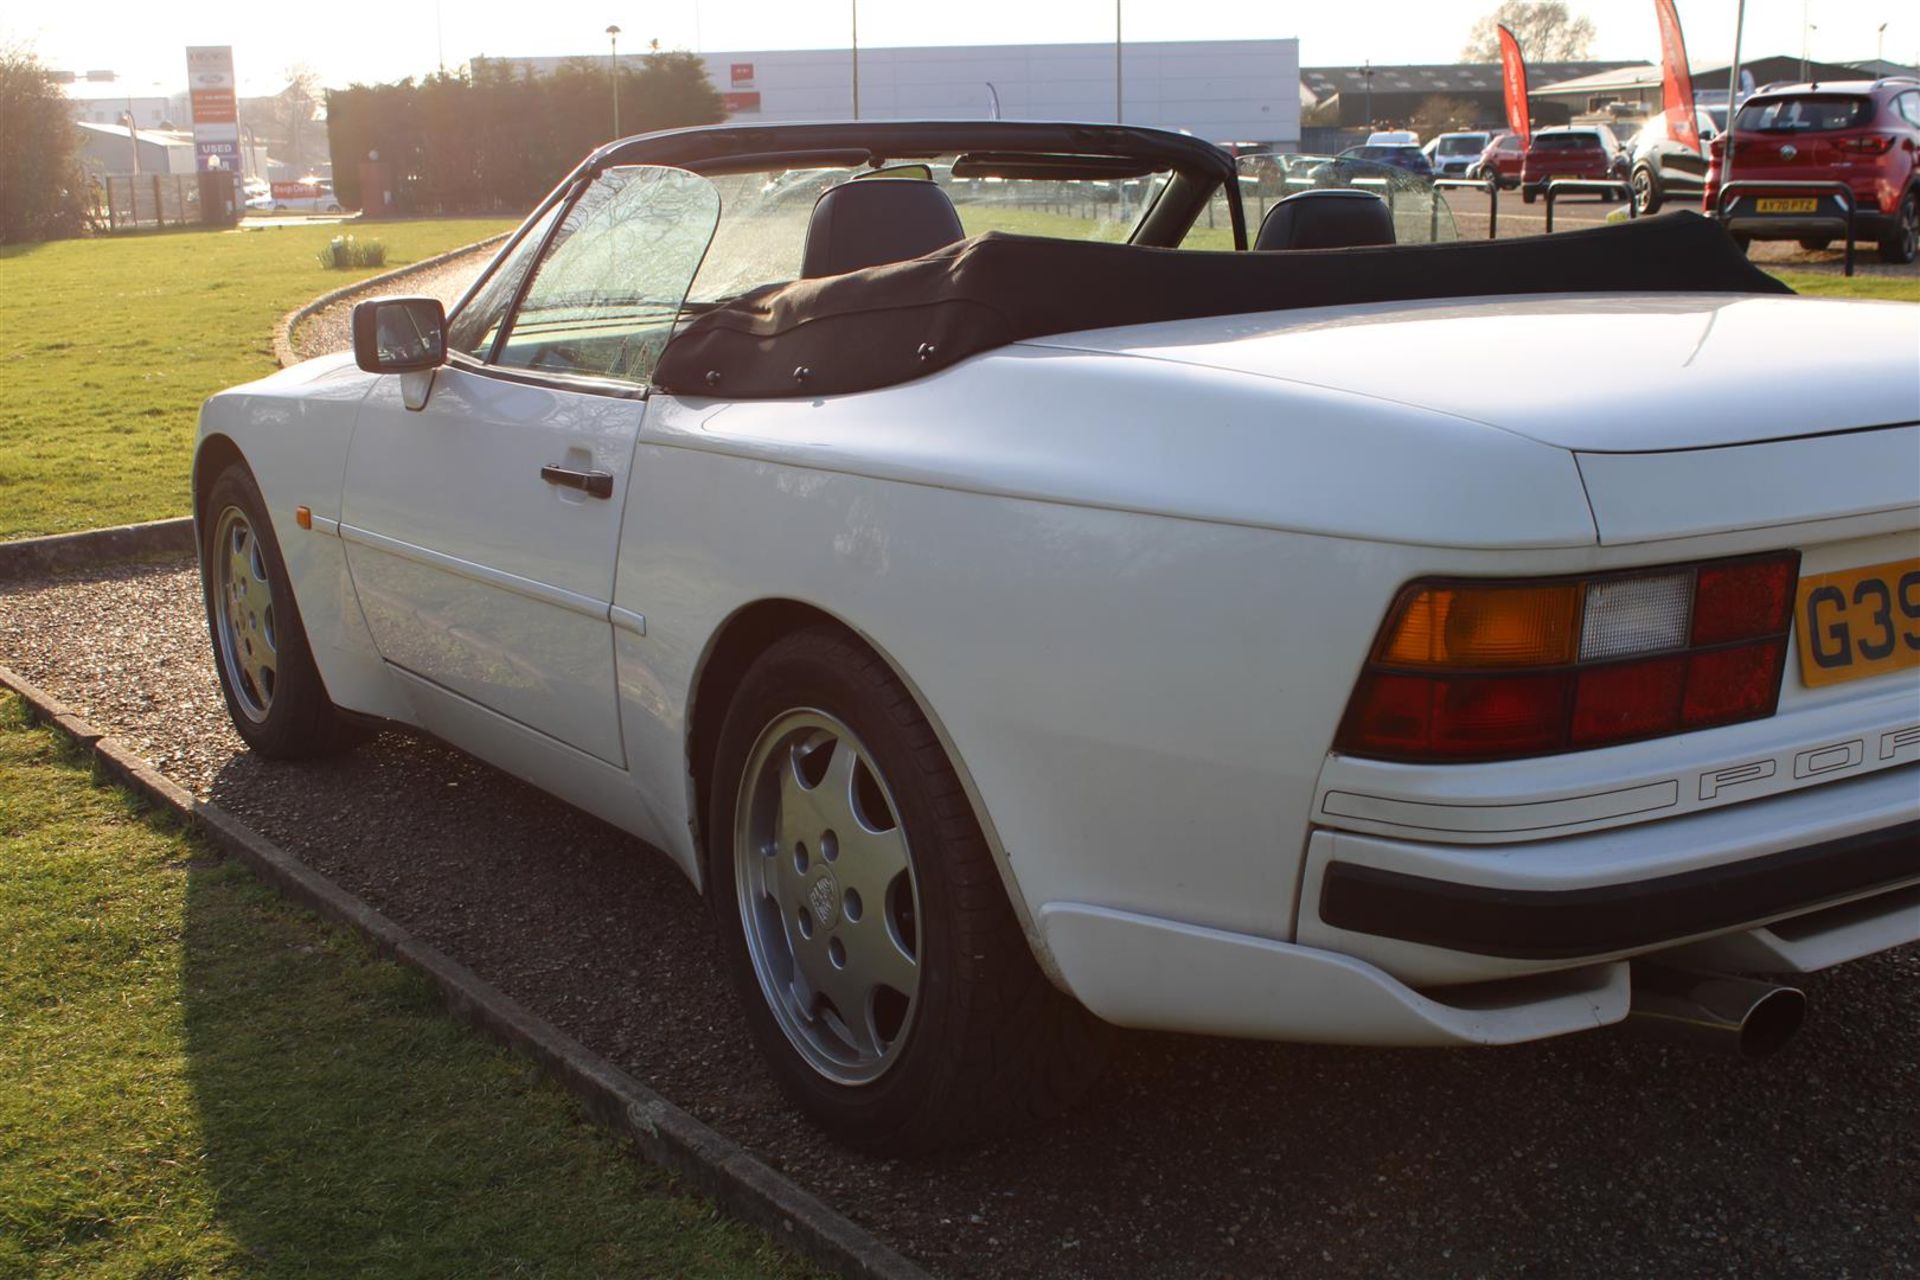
{"type": "Point", "coordinates": [295, 107]}
{"type": "Point", "coordinates": [1440, 114]}
{"type": "Point", "coordinates": [1547, 32]}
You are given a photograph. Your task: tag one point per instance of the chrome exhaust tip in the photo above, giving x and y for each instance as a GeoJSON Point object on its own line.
{"type": "Point", "coordinates": [1742, 1016]}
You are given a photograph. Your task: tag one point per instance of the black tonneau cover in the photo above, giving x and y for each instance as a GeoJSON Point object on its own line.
{"type": "Point", "coordinates": [894, 323]}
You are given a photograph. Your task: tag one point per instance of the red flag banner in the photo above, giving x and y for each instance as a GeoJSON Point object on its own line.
{"type": "Point", "coordinates": [1676, 80]}
{"type": "Point", "coordinates": [1513, 73]}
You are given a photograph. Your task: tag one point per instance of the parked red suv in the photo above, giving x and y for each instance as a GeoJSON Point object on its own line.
{"type": "Point", "coordinates": [1589, 152]}
{"type": "Point", "coordinates": [1860, 132]}
{"type": "Point", "coordinates": [1501, 160]}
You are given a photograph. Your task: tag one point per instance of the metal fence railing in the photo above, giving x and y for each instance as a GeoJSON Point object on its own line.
{"type": "Point", "coordinates": [150, 200]}
{"type": "Point", "coordinates": [1489, 185]}
{"type": "Point", "coordinates": [1605, 186]}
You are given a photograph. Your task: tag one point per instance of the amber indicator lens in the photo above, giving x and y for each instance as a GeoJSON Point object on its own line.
{"type": "Point", "coordinates": [1484, 626]}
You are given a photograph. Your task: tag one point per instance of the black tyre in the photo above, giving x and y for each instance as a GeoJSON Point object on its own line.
{"type": "Point", "coordinates": [1814, 244]}
{"type": "Point", "coordinates": [864, 922]}
{"type": "Point", "coordinates": [1904, 243]}
{"type": "Point", "coordinates": [274, 693]}
{"type": "Point", "coordinates": [1527, 195]}
{"type": "Point", "coordinates": [1648, 195]}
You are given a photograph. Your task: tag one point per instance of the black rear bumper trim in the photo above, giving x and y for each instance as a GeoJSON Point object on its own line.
{"type": "Point", "coordinates": [1552, 924]}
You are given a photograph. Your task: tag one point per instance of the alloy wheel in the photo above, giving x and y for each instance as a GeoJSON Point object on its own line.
{"type": "Point", "coordinates": [243, 613]}
{"type": "Point", "coordinates": [823, 873]}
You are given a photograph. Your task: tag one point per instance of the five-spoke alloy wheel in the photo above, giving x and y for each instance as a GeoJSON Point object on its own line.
{"type": "Point", "coordinates": [828, 904]}
{"type": "Point", "coordinates": [878, 958]}
{"type": "Point", "coordinates": [243, 615]}
{"type": "Point", "coordinates": [274, 692]}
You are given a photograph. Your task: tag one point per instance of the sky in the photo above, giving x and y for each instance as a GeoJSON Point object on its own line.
{"type": "Point", "coordinates": [373, 40]}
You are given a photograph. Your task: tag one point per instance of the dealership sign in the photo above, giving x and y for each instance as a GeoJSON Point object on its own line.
{"type": "Point", "coordinates": [216, 119]}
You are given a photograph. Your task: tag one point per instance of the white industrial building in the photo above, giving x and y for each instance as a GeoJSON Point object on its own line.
{"type": "Point", "coordinates": [1222, 90]}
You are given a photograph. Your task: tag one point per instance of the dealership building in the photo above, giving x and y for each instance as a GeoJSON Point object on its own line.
{"type": "Point", "coordinates": [1221, 90]}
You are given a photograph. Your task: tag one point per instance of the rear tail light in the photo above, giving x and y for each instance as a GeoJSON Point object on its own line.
{"type": "Point", "coordinates": [1866, 144]}
{"type": "Point", "coordinates": [1477, 670]}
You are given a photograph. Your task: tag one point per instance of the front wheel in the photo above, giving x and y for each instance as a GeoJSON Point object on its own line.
{"type": "Point", "coordinates": [1903, 245]}
{"type": "Point", "coordinates": [274, 693]}
{"type": "Point", "coordinates": [883, 972]}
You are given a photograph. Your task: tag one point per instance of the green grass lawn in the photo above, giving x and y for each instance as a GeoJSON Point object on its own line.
{"type": "Point", "coordinates": [197, 1078]}
{"type": "Point", "coordinates": [108, 346]}
{"type": "Point", "coordinates": [1900, 288]}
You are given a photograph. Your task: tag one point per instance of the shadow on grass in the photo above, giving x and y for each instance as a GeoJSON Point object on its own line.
{"type": "Point", "coordinates": [352, 1128]}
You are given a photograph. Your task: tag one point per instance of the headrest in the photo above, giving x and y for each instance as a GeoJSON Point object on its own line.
{"type": "Point", "coordinates": [871, 221]}
{"type": "Point", "coordinates": [1337, 218]}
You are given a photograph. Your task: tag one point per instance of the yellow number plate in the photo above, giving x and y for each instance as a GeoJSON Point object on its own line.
{"type": "Point", "coordinates": [1859, 622]}
{"type": "Point", "coordinates": [1787, 206]}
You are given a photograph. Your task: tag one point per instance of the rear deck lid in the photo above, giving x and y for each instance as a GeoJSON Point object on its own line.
{"type": "Point", "coordinates": [1594, 372]}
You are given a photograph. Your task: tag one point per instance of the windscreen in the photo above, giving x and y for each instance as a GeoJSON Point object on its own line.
{"type": "Point", "coordinates": [762, 235]}
{"type": "Point", "coordinates": [608, 288]}
{"type": "Point", "coordinates": [1465, 145]}
{"type": "Point", "coordinates": [1808, 114]}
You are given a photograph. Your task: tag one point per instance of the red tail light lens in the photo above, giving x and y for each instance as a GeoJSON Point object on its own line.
{"type": "Point", "coordinates": [1492, 671]}
{"type": "Point", "coordinates": [1866, 144]}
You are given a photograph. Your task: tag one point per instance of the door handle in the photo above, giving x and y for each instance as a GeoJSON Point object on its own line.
{"type": "Point", "coordinates": [595, 484]}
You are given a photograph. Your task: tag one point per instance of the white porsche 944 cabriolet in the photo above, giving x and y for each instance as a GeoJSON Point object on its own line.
{"type": "Point", "coordinates": [1034, 578]}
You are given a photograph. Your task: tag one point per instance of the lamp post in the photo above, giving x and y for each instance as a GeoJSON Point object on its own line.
{"type": "Point", "coordinates": [1880, 44]}
{"type": "Point", "coordinates": [1367, 71]}
{"type": "Point", "coordinates": [854, 8]}
{"type": "Point", "coordinates": [1119, 95]}
{"type": "Point", "coordinates": [133, 135]}
{"type": "Point", "coordinates": [613, 73]}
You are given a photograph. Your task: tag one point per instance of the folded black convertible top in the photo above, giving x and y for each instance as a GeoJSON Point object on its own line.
{"type": "Point", "coordinates": [893, 323]}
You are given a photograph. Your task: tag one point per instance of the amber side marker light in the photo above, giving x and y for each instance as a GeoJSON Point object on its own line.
{"type": "Point", "coordinates": [303, 516]}
{"type": "Point", "coordinates": [1484, 670]}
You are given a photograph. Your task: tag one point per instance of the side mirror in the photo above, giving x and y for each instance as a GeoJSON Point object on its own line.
{"type": "Point", "coordinates": [399, 335]}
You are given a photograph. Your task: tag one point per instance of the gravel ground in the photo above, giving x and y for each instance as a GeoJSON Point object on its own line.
{"type": "Point", "coordinates": [1599, 1155]}
{"type": "Point", "coordinates": [331, 328]}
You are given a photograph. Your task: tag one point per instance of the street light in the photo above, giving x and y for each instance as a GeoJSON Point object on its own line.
{"type": "Point", "coordinates": [1880, 45]}
{"type": "Point", "coordinates": [1367, 71]}
{"type": "Point", "coordinates": [133, 135]}
{"type": "Point", "coordinates": [855, 8]}
{"type": "Point", "coordinates": [1119, 100]}
{"type": "Point", "coordinates": [613, 73]}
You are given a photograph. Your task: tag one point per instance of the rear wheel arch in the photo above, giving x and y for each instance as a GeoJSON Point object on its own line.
{"type": "Point", "coordinates": [735, 645]}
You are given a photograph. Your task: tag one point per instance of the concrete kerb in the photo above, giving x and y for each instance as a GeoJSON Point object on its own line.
{"type": "Point", "coordinates": [33, 557]}
{"type": "Point", "coordinates": [702, 1157]}
{"type": "Point", "coordinates": [283, 353]}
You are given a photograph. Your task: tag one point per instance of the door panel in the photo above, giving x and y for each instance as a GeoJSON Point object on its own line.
{"type": "Point", "coordinates": [483, 526]}
{"type": "Point", "coordinates": [474, 571]}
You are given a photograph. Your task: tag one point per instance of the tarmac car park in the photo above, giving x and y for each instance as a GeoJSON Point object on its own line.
{"type": "Point", "coordinates": [1015, 634]}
